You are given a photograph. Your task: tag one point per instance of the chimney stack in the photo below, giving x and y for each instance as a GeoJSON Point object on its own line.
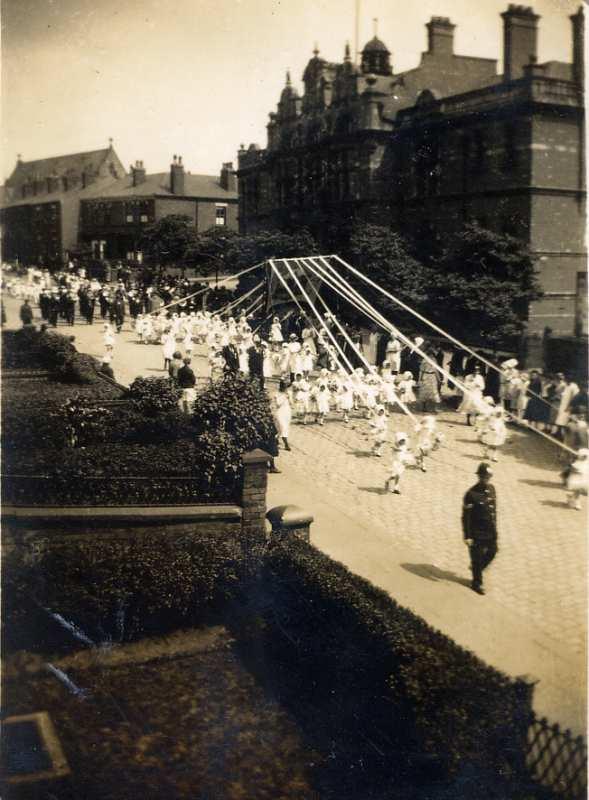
{"type": "Point", "coordinates": [138, 173]}
{"type": "Point", "coordinates": [177, 176]}
{"type": "Point", "coordinates": [520, 40]}
{"type": "Point", "coordinates": [440, 36]}
{"type": "Point", "coordinates": [228, 179]}
{"type": "Point", "coordinates": [578, 22]}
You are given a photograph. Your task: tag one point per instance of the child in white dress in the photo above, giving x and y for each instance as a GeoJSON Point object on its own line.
{"type": "Point", "coordinates": [301, 392]}
{"type": "Point", "coordinates": [577, 478]}
{"type": "Point", "coordinates": [320, 396]}
{"type": "Point", "coordinates": [405, 388]}
{"type": "Point", "coordinates": [401, 457]}
{"type": "Point", "coordinates": [494, 434]}
{"type": "Point", "coordinates": [378, 429]}
{"type": "Point", "coordinates": [345, 397]}
{"type": "Point", "coordinates": [425, 441]}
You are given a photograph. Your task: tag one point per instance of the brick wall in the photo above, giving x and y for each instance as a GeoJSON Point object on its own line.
{"type": "Point", "coordinates": [167, 207]}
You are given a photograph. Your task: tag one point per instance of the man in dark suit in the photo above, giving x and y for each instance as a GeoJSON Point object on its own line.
{"type": "Point", "coordinates": [255, 358]}
{"type": "Point", "coordinates": [231, 356]}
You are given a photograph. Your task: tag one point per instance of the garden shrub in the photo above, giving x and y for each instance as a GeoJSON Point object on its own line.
{"type": "Point", "coordinates": [235, 406]}
{"type": "Point", "coordinates": [375, 678]}
{"type": "Point", "coordinates": [154, 395]}
{"type": "Point", "coordinates": [121, 590]}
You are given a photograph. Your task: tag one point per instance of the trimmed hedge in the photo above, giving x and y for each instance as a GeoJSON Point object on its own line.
{"type": "Point", "coordinates": [33, 349]}
{"type": "Point", "coordinates": [398, 703]}
{"type": "Point", "coordinates": [105, 475]}
{"type": "Point", "coordinates": [152, 396]}
{"type": "Point", "coordinates": [117, 591]}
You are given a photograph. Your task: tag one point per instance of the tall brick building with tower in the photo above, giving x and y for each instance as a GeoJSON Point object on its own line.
{"type": "Point", "coordinates": [429, 149]}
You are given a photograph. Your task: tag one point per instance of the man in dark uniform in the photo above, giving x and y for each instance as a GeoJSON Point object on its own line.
{"type": "Point", "coordinates": [479, 525]}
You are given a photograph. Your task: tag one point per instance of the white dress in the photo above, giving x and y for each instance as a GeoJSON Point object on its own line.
{"type": "Point", "coordinates": [283, 414]}
{"type": "Point", "coordinates": [321, 398]}
{"type": "Point", "coordinates": [345, 397]}
{"type": "Point", "coordinates": [294, 361]}
{"type": "Point", "coordinates": [563, 415]}
{"type": "Point", "coordinates": [578, 478]}
{"type": "Point", "coordinates": [475, 385]}
{"type": "Point", "coordinates": [276, 333]}
{"type": "Point", "coordinates": [495, 433]}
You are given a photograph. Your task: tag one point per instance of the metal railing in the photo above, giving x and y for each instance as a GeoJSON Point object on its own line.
{"type": "Point", "coordinates": [556, 759]}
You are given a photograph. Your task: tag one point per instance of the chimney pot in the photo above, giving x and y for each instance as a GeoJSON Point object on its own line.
{"type": "Point", "coordinates": [520, 40]}
{"type": "Point", "coordinates": [440, 36]}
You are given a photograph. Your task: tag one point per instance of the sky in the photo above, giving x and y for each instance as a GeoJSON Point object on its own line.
{"type": "Point", "coordinates": [198, 77]}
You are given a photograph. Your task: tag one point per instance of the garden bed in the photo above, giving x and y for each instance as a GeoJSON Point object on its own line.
{"type": "Point", "coordinates": [195, 726]}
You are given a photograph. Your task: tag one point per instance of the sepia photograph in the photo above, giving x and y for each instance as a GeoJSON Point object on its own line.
{"type": "Point", "coordinates": [294, 400]}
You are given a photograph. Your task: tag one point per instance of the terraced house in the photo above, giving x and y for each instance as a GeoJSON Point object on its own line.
{"type": "Point", "coordinates": [87, 203]}
{"type": "Point", "coordinates": [455, 139]}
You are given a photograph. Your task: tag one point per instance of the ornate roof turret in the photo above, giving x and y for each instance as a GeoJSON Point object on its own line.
{"type": "Point", "coordinates": [376, 56]}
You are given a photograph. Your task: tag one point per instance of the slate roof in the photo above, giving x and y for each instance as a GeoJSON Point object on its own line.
{"type": "Point", "coordinates": [42, 168]}
{"type": "Point", "coordinates": [205, 186]}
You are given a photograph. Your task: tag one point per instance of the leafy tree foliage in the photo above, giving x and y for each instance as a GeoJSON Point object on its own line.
{"type": "Point", "coordinates": [383, 255]}
{"type": "Point", "coordinates": [482, 286]}
{"type": "Point", "coordinates": [169, 240]}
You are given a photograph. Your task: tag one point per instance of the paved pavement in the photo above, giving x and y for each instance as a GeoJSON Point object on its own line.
{"type": "Point", "coordinates": [533, 617]}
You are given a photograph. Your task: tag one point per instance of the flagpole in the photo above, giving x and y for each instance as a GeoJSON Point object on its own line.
{"type": "Point", "coordinates": [356, 31]}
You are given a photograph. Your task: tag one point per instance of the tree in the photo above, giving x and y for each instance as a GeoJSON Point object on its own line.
{"type": "Point", "coordinates": [383, 255]}
{"type": "Point", "coordinates": [483, 285]}
{"type": "Point", "coordinates": [169, 240]}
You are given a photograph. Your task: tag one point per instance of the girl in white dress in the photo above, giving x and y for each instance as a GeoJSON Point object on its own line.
{"type": "Point", "coordinates": [283, 413]}
{"type": "Point", "coordinates": [307, 362]}
{"type": "Point", "coordinates": [284, 359]}
{"type": "Point", "coordinates": [294, 348]}
{"type": "Point", "coordinates": [108, 335]}
{"type": "Point", "coordinates": [139, 327]}
{"type": "Point", "coordinates": [276, 337]}
{"type": "Point", "coordinates": [308, 337]}
{"type": "Point", "coordinates": [405, 388]}
{"type": "Point", "coordinates": [345, 397]}
{"type": "Point", "coordinates": [320, 395]}
{"type": "Point", "coordinates": [301, 391]}
{"type": "Point", "coordinates": [577, 479]}
{"type": "Point", "coordinates": [475, 385]}
{"type": "Point", "coordinates": [267, 363]}
{"type": "Point", "coordinates": [378, 430]}
{"type": "Point", "coordinates": [243, 359]}
{"type": "Point", "coordinates": [188, 344]}
{"type": "Point", "coordinates": [494, 434]}
{"type": "Point", "coordinates": [425, 441]}
{"type": "Point", "coordinates": [401, 457]}
{"type": "Point", "coordinates": [168, 348]}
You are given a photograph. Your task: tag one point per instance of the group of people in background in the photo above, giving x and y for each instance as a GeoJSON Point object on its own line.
{"type": "Point", "coordinates": [324, 369]}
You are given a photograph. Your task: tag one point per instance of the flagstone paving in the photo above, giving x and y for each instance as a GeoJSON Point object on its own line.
{"type": "Point", "coordinates": [411, 544]}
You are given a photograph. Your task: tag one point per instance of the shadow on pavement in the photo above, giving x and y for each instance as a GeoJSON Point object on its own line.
{"type": "Point", "coordinates": [432, 573]}
{"type": "Point", "coordinates": [360, 453]}
{"type": "Point", "coordinates": [544, 484]}
{"type": "Point", "coordinates": [373, 489]}
{"type": "Point", "coordinates": [555, 503]}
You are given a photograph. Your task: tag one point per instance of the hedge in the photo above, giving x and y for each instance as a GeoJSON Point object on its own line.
{"type": "Point", "coordinates": [397, 703]}
{"type": "Point", "coordinates": [33, 349]}
{"type": "Point", "coordinates": [117, 591]}
{"type": "Point", "coordinates": [120, 474]}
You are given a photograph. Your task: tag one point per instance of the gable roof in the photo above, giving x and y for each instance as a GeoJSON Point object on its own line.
{"type": "Point", "coordinates": [158, 183]}
{"type": "Point", "coordinates": [72, 164]}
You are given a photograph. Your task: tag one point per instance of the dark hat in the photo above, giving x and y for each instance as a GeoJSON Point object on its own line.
{"type": "Point", "coordinates": [484, 470]}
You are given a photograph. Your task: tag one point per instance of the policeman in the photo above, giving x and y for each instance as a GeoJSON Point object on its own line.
{"type": "Point", "coordinates": [479, 524]}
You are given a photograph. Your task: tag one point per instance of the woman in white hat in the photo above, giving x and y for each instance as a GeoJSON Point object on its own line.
{"type": "Point", "coordinates": [276, 337]}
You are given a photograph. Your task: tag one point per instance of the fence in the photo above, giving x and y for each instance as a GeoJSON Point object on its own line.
{"type": "Point", "coordinates": [557, 760]}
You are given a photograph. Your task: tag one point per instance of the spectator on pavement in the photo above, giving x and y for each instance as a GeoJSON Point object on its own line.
{"type": "Point", "coordinates": [26, 314]}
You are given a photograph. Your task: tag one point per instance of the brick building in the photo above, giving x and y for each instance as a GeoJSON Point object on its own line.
{"type": "Point", "coordinates": [112, 221]}
{"type": "Point", "coordinates": [41, 203]}
{"type": "Point", "coordinates": [54, 207]}
{"type": "Point", "coordinates": [431, 148]}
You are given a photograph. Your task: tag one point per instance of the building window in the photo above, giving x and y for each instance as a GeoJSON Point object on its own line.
{"type": "Point", "coordinates": [129, 217]}
{"type": "Point", "coordinates": [220, 215]}
{"type": "Point", "coordinates": [144, 218]}
{"type": "Point", "coordinates": [509, 148]}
